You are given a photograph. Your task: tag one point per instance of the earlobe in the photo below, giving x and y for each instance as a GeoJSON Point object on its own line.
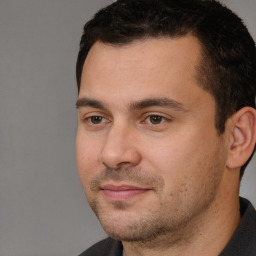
{"type": "Point", "coordinates": [243, 137]}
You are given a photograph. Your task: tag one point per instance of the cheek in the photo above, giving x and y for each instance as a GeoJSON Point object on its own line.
{"type": "Point", "coordinates": [86, 157]}
{"type": "Point", "coordinates": [169, 155]}
{"type": "Point", "coordinates": [179, 158]}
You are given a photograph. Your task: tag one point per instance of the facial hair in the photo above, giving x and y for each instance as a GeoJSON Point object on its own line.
{"type": "Point", "coordinates": [156, 221]}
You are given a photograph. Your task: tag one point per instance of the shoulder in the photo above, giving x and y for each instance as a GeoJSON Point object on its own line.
{"type": "Point", "coordinates": [106, 247]}
{"type": "Point", "coordinates": [243, 241]}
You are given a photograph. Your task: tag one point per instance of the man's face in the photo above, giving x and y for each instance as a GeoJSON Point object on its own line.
{"type": "Point", "coordinates": [148, 154]}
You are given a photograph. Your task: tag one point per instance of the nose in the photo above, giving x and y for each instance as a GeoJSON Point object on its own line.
{"type": "Point", "coordinates": [120, 148]}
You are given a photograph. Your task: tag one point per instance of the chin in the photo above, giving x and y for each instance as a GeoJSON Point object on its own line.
{"type": "Point", "coordinates": [128, 227]}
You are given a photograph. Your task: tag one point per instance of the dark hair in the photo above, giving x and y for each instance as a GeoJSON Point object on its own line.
{"type": "Point", "coordinates": [228, 61]}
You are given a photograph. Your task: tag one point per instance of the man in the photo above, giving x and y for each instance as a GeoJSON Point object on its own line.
{"type": "Point", "coordinates": [167, 125]}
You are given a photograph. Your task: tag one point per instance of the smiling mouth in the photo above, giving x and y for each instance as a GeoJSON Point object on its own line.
{"type": "Point", "coordinates": [121, 193]}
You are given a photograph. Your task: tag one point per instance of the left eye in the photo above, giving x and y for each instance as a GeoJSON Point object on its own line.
{"type": "Point", "coordinates": [155, 119]}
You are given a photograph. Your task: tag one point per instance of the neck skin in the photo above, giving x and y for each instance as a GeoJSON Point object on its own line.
{"type": "Point", "coordinates": [206, 234]}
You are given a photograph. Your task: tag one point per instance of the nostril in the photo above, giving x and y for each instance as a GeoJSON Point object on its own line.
{"type": "Point", "coordinates": [119, 148]}
{"type": "Point", "coordinates": [125, 157]}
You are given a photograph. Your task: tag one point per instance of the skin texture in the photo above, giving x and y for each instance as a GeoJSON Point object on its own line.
{"type": "Point", "coordinates": [152, 165]}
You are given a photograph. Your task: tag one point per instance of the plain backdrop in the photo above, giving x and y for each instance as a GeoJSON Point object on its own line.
{"type": "Point", "coordinates": [43, 211]}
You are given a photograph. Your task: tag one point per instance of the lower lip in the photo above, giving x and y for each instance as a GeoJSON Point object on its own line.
{"type": "Point", "coordinates": [120, 195]}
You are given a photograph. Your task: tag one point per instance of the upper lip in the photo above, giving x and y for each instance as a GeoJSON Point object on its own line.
{"type": "Point", "coordinates": [122, 187]}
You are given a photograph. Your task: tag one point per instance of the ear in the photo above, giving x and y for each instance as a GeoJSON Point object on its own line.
{"type": "Point", "coordinates": [243, 137]}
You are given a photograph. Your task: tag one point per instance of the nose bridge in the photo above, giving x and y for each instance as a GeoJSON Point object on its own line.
{"type": "Point", "coordinates": [119, 147]}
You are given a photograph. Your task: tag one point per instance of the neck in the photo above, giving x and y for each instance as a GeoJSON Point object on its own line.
{"type": "Point", "coordinates": [206, 234]}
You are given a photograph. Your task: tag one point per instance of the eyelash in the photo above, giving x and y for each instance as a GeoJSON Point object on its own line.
{"type": "Point", "coordinates": [89, 119]}
{"type": "Point", "coordinates": [159, 119]}
{"type": "Point", "coordinates": [151, 120]}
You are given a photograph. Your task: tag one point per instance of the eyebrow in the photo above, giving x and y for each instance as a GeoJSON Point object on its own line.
{"type": "Point", "coordinates": [160, 102]}
{"type": "Point", "coordinates": [86, 102]}
{"type": "Point", "coordinates": [138, 105]}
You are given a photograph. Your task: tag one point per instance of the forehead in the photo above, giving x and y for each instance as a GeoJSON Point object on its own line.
{"type": "Point", "coordinates": [146, 52]}
{"type": "Point", "coordinates": [153, 67]}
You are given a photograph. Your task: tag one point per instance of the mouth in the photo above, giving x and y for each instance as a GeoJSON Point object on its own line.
{"type": "Point", "coordinates": [122, 192]}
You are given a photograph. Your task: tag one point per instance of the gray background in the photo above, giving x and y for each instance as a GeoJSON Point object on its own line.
{"type": "Point", "coordinates": [43, 209]}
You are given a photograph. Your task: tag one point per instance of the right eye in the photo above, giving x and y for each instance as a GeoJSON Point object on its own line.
{"type": "Point", "coordinates": [96, 120]}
